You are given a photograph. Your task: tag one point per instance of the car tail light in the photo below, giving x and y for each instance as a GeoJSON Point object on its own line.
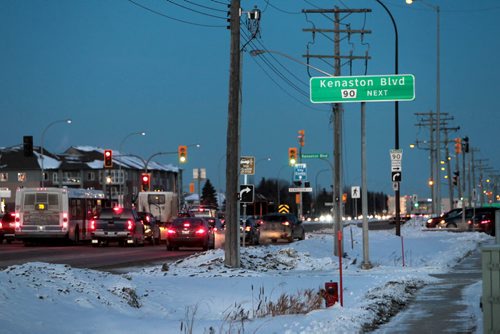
{"type": "Point", "coordinates": [186, 224]}
{"type": "Point", "coordinates": [92, 225]}
{"type": "Point", "coordinates": [487, 221]}
{"type": "Point", "coordinates": [130, 225]}
{"type": "Point", "coordinates": [1, 225]}
{"type": "Point", "coordinates": [201, 231]}
{"type": "Point", "coordinates": [285, 223]}
{"type": "Point", "coordinates": [18, 218]}
{"type": "Point", "coordinates": [117, 210]}
{"type": "Point", "coordinates": [469, 222]}
{"type": "Point", "coordinates": [170, 231]}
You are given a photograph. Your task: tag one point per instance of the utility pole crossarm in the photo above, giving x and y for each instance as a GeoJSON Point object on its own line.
{"type": "Point", "coordinates": [336, 10]}
{"type": "Point", "coordinates": [346, 31]}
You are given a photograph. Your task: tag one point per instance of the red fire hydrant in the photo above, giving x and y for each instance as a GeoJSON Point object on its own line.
{"type": "Point", "coordinates": [331, 293]}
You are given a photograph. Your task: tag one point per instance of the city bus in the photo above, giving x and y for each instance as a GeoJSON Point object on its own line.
{"type": "Point", "coordinates": [56, 213]}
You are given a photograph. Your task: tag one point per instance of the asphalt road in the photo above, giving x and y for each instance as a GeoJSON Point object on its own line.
{"type": "Point", "coordinates": [108, 258]}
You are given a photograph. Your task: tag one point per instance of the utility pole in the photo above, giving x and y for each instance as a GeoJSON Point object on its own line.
{"type": "Point", "coordinates": [337, 108]}
{"type": "Point", "coordinates": [435, 145]}
{"type": "Point", "coordinates": [448, 163]}
{"type": "Point", "coordinates": [232, 242]}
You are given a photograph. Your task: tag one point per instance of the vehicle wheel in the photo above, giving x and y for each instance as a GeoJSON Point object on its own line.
{"type": "Point", "coordinates": [9, 241]}
{"type": "Point", "coordinates": [451, 225]}
{"type": "Point", "coordinates": [205, 245]}
{"type": "Point", "coordinates": [169, 246]}
{"type": "Point", "coordinates": [257, 239]}
{"type": "Point", "coordinates": [274, 240]}
{"type": "Point", "coordinates": [121, 243]}
{"type": "Point", "coordinates": [303, 235]}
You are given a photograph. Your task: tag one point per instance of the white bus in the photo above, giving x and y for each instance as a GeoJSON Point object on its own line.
{"type": "Point", "coordinates": [56, 213]}
{"type": "Point", "coordinates": [163, 205]}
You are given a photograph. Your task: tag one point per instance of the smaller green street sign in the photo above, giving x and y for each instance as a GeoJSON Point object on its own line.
{"type": "Point", "coordinates": [314, 155]}
{"type": "Point", "coordinates": [366, 88]}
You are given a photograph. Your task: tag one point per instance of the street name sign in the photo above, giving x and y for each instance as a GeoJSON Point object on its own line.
{"type": "Point", "coordinates": [372, 88]}
{"type": "Point", "coordinates": [301, 190]}
{"type": "Point", "coordinates": [247, 165]}
{"type": "Point", "coordinates": [314, 155]}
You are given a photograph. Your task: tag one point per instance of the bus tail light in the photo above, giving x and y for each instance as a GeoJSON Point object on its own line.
{"type": "Point", "coordinates": [92, 225]}
{"type": "Point", "coordinates": [65, 220]}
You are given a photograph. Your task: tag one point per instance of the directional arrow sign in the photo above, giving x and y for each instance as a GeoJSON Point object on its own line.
{"type": "Point", "coordinates": [247, 193]}
{"type": "Point", "coordinates": [396, 176]}
{"type": "Point", "coordinates": [374, 88]}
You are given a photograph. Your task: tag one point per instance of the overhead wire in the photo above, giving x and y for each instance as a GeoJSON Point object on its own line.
{"type": "Point", "coordinates": [206, 7]}
{"type": "Point", "coordinates": [195, 11]}
{"type": "Point", "coordinates": [173, 18]}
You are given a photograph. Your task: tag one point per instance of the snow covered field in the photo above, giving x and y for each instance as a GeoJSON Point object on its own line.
{"type": "Point", "coordinates": [200, 295]}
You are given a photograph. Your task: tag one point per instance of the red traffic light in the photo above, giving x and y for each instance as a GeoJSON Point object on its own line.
{"type": "Point", "coordinates": [145, 181]}
{"type": "Point", "coordinates": [108, 158]}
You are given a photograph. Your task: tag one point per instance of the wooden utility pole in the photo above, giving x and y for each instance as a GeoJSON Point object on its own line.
{"type": "Point", "coordinates": [337, 110]}
{"type": "Point", "coordinates": [232, 242]}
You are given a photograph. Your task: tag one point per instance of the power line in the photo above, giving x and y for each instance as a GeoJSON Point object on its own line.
{"type": "Point", "coordinates": [173, 18]}
{"type": "Point", "coordinates": [207, 7]}
{"type": "Point", "coordinates": [194, 10]}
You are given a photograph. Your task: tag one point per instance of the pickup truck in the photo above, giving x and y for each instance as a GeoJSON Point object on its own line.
{"type": "Point", "coordinates": [117, 224]}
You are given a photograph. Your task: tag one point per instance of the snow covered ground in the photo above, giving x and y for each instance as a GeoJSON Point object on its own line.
{"type": "Point", "coordinates": [200, 295]}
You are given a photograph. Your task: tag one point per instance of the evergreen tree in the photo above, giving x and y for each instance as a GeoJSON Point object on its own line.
{"type": "Point", "coordinates": [209, 195]}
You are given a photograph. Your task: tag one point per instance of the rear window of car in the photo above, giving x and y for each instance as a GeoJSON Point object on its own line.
{"type": "Point", "coordinates": [191, 222]}
{"type": "Point", "coordinates": [278, 219]}
{"type": "Point", "coordinates": [116, 214]}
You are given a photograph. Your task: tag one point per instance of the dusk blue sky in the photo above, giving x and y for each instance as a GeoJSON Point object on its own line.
{"type": "Point", "coordinates": [115, 68]}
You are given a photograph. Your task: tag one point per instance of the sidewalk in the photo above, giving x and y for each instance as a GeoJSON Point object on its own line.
{"type": "Point", "coordinates": [440, 307]}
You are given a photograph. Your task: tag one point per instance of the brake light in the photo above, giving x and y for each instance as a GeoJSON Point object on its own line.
{"type": "Point", "coordinates": [65, 220]}
{"type": "Point", "coordinates": [117, 210]}
{"type": "Point", "coordinates": [92, 225]}
{"type": "Point", "coordinates": [170, 231]}
{"type": "Point", "coordinates": [130, 225]}
{"type": "Point", "coordinates": [1, 225]}
{"type": "Point", "coordinates": [186, 224]}
{"type": "Point", "coordinates": [201, 231]}
{"type": "Point", "coordinates": [18, 218]}
{"type": "Point", "coordinates": [487, 221]}
{"type": "Point", "coordinates": [285, 223]}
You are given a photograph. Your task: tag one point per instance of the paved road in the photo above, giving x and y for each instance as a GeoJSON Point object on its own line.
{"type": "Point", "coordinates": [438, 308]}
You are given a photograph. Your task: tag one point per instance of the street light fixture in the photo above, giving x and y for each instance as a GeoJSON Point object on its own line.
{"type": "Point", "coordinates": [42, 142]}
{"type": "Point", "coordinates": [122, 180]}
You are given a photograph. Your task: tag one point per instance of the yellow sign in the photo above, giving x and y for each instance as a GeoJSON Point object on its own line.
{"type": "Point", "coordinates": [283, 208]}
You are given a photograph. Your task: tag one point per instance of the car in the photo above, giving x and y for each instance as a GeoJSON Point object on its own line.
{"type": "Point", "coordinates": [276, 226]}
{"type": "Point", "coordinates": [151, 227]}
{"type": "Point", "coordinates": [434, 222]}
{"type": "Point", "coordinates": [7, 227]}
{"type": "Point", "coordinates": [117, 224]}
{"type": "Point", "coordinates": [483, 221]}
{"type": "Point", "coordinates": [190, 232]}
{"type": "Point", "coordinates": [250, 229]}
{"type": "Point", "coordinates": [458, 222]}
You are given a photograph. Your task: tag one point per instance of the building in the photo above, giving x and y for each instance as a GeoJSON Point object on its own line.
{"type": "Point", "coordinates": [83, 167]}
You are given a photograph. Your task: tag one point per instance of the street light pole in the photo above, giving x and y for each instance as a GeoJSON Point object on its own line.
{"type": "Point", "coordinates": [42, 183]}
{"type": "Point", "coordinates": [123, 179]}
{"type": "Point", "coordinates": [437, 205]}
{"type": "Point", "coordinates": [396, 117]}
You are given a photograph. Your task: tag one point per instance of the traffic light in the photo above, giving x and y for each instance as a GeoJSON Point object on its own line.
{"type": "Point", "coordinates": [182, 153]}
{"type": "Point", "coordinates": [458, 145]}
{"type": "Point", "coordinates": [292, 156]}
{"type": "Point", "coordinates": [145, 181]}
{"type": "Point", "coordinates": [302, 137]}
{"type": "Point", "coordinates": [465, 141]}
{"type": "Point", "coordinates": [456, 174]}
{"type": "Point", "coordinates": [108, 158]}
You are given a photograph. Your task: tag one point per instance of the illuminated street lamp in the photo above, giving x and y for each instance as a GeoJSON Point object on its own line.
{"type": "Point", "coordinates": [42, 142]}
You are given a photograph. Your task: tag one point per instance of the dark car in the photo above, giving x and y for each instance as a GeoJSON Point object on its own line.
{"type": "Point", "coordinates": [151, 227]}
{"type": "Point", "coordinates": [190, 232]}
{"type": "Point", "coordinates": [250, 228]}
{"type": "Point", "coordinates": [277, 226]}
{"type": "Point", "coordinates": [117, 224]}
{"type": "Point", "coordinates": [435, 221]}
{"type": "Point", "coordinates": [458, 222]}
{"type": "Point", "coordinates": [483, 221]}
{"type": "Point", "coordinates": [7, 227]}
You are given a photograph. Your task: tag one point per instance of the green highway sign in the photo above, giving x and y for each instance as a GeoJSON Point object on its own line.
{"type": "Point", "coordinates": [367, 88]}
{"type": "Point", "coordinates": [314, 155]}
